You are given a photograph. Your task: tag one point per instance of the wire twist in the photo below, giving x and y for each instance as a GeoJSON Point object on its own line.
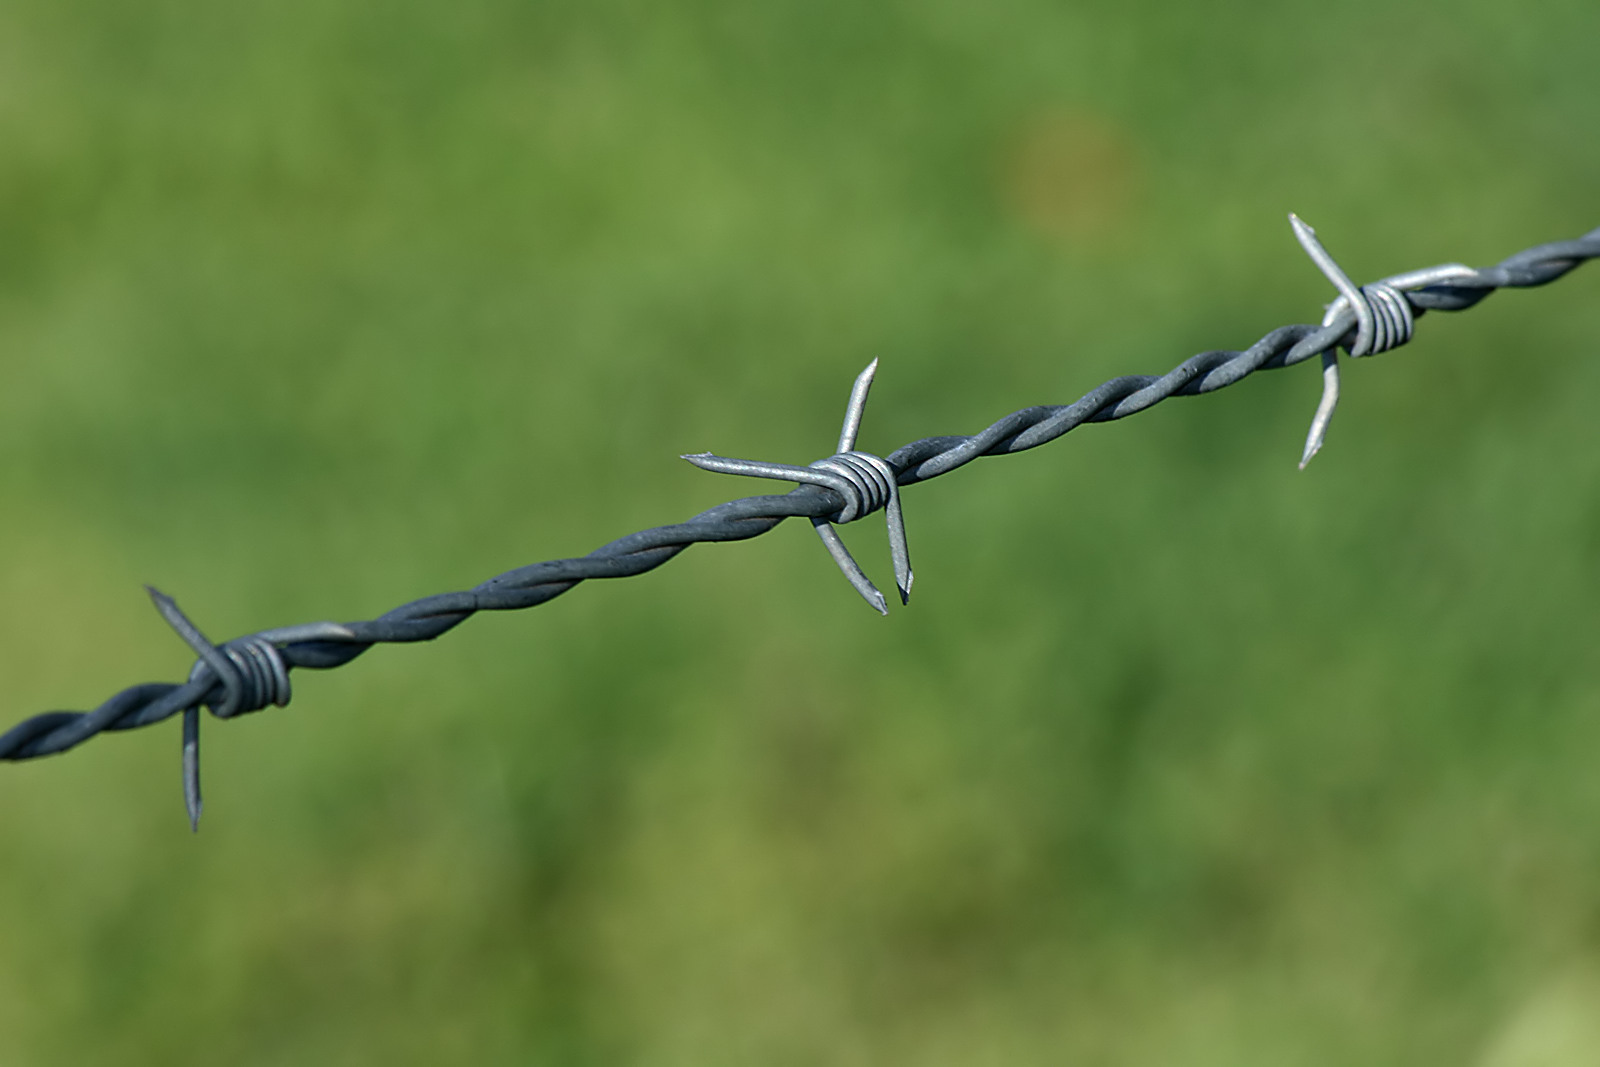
{"type": "Point", "coordinates": [251, 672]}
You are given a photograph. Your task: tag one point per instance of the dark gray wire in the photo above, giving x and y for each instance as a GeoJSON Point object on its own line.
{"type": "Point", "coordinates": [251, 672]}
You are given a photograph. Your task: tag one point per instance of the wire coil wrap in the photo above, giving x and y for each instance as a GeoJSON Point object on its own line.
{"type": "Point", "coordinates": [259, 678]}
{"type": "Point", "coordinates": [871, 482]}
{"type": "Point", "coordinates": [1393, 321]}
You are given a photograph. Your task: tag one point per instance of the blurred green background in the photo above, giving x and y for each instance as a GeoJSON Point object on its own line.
{"type": "Point", "coordinates": [1178, 756]}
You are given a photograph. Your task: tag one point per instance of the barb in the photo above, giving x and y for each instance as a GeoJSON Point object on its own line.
{"type": "Point", "coordinates": [865, 482]}
{"type": "Point", "coordinates": [251, 672]}
{"type": "Point", "coordinates": [1384, 320]}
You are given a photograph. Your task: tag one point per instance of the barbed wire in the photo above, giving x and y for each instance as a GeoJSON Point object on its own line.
{"type": "Point", "coordinates": [250, 673]}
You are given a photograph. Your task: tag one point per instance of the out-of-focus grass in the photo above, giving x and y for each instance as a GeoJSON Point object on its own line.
{"type": "Point", "coordinates": [1179, 757]}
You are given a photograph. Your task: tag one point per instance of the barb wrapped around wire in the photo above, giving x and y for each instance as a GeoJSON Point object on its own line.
{"type": "Point", "coordinates": [252, 672]}
{"type": "Point", "coordinates": [866, 483]}
{"type": "Point", "coordinates": [1384, 320]}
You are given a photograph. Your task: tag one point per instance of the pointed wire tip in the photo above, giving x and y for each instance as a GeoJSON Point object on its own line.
{"type": "Point", "coordinates": [1318, 433]}
{"type": "Point", "coordinates": [856, 405]}
{"type": "Point", "coordinates": [905, 590]}
{"type": "Point", "coordinates": [1306, 236]}
{"type": "Point", "coordinates": [864, 381]}
{"type": "Point", "coordinates": [167, 608]}
{"type": "Point", "coordinates": [194, 818]}
{"type": "Point", "coordinates": [880, 603]}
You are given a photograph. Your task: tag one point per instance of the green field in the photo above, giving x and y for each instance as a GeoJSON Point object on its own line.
{"type": "Point", "coordinates": [1178, 756]}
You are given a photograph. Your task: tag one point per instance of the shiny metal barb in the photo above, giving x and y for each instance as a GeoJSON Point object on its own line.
{"type": "Point", "coordinates": [864, 482]}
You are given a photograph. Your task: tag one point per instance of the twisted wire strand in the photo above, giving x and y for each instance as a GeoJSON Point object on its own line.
{"type": "Point", "coordinates": [257, 665]}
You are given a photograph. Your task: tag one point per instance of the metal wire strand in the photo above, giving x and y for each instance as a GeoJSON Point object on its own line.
{"type": "Point", "coordinates": [253, 671]}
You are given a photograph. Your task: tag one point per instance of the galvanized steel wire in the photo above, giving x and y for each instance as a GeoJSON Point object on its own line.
{"type": "Point", "coordinates": [252, 672]}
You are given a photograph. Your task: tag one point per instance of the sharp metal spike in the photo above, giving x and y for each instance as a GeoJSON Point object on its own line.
{"type": "Point", "coordinates": [857, 405]}
{"type": "Point", "coordinates": [751, 468]}
{"type": "Point", "coordinates": [899, 552]}
{"type": "Point", "coordinates": [847, 564]}
{"type": "Point", "coordinates": [179, 621]}
{"type": "Point", "coordinates": [1325, 407]}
